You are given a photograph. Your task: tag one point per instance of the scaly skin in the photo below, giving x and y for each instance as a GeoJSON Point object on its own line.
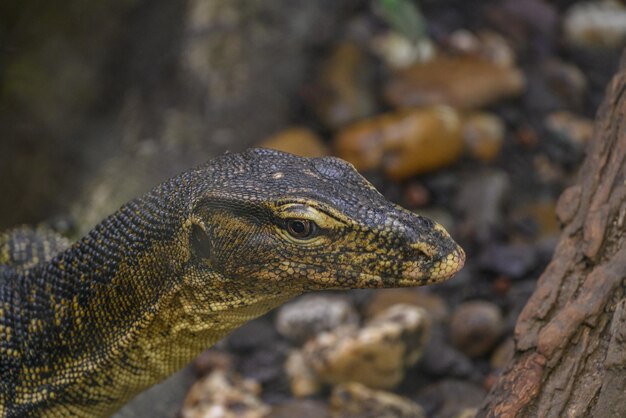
{"type": "Point", "coordinates": [174, 271]}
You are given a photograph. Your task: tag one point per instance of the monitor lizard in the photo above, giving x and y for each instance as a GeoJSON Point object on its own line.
{"type": "Point", "coordinates": [85, 327]}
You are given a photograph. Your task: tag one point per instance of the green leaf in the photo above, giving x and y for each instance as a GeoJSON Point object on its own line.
{"type": "Point", "coordinates": [403, 16]}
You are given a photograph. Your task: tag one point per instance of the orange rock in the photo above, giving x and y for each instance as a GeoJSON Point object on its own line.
{"type": "Point", "coordinates": [298, 141]}
{"type": "Point", "coordinates": [483, 134]}
{"type": "Point", "coordinates": [403, 143]}
{"type": "Point", "coordinates": [463, 82]}
{"type": "Point", "coordinates": [343, 96]}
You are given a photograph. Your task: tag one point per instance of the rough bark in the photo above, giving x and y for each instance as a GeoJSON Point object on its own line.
{"type": "Point", "coordinates": [571, 337]}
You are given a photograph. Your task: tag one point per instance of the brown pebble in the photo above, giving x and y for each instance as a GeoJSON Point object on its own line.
{"type": "Point", "coordinates": [230, 394]}
{"type": "Point", "coordinates": [462, 82]}
{"type": "Point", "coordinates": [376, 355]}
{"type": "Point", "coordinates": [483, 134]}
{"type": "Point", "coordinates": [475, 327]}
{"type": "Point", "coordinates": [573, 128]}
{"type": "Point", "coordinates": [565, 82]}
{"type": "Point", "coordinates": [297, 140]}
{"type": "Point", "coordinates": [302, 379]}
{"type": "Point", "coordinates": [403, 143]}
{"type": "Point", "coordinates": [355, 400]}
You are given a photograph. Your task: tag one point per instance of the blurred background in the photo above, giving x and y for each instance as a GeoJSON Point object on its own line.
{"type": "Point", "coordinates": [475, 114]}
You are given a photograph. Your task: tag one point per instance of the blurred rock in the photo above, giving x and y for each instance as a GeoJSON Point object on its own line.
{"type": "Point", "coordinates": [475, 327]}
{"type": "Point", "coordinates": [490, 380]}
{"type": "Point", "coordinates": [516, 300]}
{"type": "Point", "coordinates": [299, 141]}
{"type": "Point", "coordinates": [261, 351]}
{"type": "Point", "coordinates": [306, 408]}
{"type": "Point", "coordinates": [503, 353]}
{"type": "Point", "coordinates": [568, 135]}
{"type": "Point", "coordinates": [342, 93]}
{"type": "Point", "coordinates": [461, 82]}
{"type": "Point", "coordinates": [415, 195]}
{"type": "Point", "coordinates": [573, 128]}
{"type": "Point", "coordinates": [383, 299]}
{"type": "Point", "coordinates": [224, 395]}
{"type": "Point", "coordinates": [302, 380]}
{"type": "Point", "coordinates": [527, 136]}
{"type": "Point", "coordinates": [448, 398]}
{"type": "Point", "coordinates": [511, 260]}
{"type": "Point", "coordinates": [354, 400]}
{"type": "Point", "coordinates": [440, 359]}
{"type": "Point", "coordinates": [599, 24]}
{"type": "Point", "coordinates": [375, 355]}
{"type": "Point", "coordinates": [399, 52]}
{"type": "Point", "coordinates": [554, 85]}
{"type": "Point", "coordinates": [481, 201]}
{"type": "Point", "coordinates": [501, 285]}
{"type": "Point", "coordinates": [309, 315]}
{"type": "Point", "coordinates": [548, 170]}
{"type": "Point", "coordinates": [467, 413]}
{"type": "Point", "coordinates": [404, 143]}
{"type": "Point", "coordinates": [252, 335]}
{"type": "Point", "coordinates": [531, 25]}
{"type": "Point", "coordinates": [537, 219]}
{"type": "Point", "coordinates": [265, 363]}
{"type": "Point", "coordinates": [212, 359]}
{"type": "Point", "coordinates": [483, 134]}
{"type": "Point", "coordinates": [485, 44]}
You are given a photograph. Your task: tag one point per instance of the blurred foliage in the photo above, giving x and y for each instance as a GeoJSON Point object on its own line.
{"type": "Point", "coordinates": [404, 16]}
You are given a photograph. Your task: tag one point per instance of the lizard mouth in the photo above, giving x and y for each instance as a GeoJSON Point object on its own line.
{"type": "Point", "coordinates": [438, 271]}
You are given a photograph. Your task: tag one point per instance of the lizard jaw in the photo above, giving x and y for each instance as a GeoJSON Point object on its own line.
{"type": "Point", "coordinates": [440, 270]}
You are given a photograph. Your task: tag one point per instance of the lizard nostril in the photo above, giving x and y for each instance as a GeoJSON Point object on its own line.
{"type": "Point", "coordinates": [424, 248]}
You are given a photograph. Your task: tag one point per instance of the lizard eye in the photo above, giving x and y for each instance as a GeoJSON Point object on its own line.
{"type": "Point", "coordinates": [300, 228]}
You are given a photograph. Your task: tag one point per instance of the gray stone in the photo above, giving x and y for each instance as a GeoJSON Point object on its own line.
{"type": "Point", "coordinates": [309, 315]}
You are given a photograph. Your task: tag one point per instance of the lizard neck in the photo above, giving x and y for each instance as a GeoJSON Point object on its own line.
{"type": "Point", "coordinates": [83, 312]}
{"type": "Point", "coordinates": [119, 311]}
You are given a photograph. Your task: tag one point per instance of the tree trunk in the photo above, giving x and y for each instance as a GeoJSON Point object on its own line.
{"type": "Point", "coordinates": [570, 356]}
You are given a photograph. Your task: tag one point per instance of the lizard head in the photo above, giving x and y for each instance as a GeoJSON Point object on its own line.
{"type": "Point", "coordinates": [315, 223]}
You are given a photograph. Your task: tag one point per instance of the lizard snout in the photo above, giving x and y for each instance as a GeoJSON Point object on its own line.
{"type": "Point", "coordinates": [438, 270]}
{"type": "Point", "coordinates": [435, 256]}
